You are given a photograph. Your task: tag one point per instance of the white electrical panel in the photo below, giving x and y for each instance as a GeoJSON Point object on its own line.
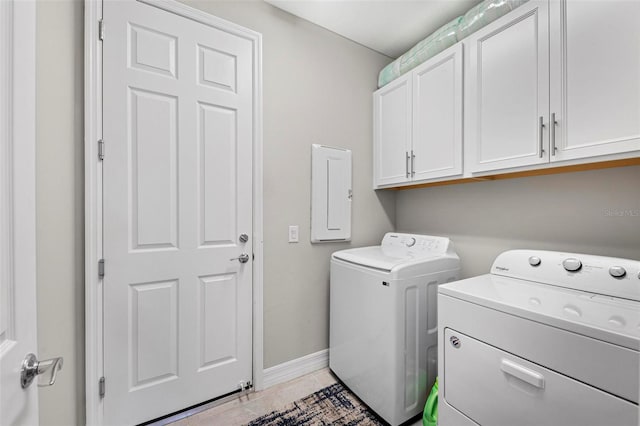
{"type": "Point", "coordinates": [331, 194]}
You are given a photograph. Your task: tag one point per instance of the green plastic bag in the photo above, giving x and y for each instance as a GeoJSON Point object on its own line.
{"type": "Point", "coordinates": [430, 415]}
{"type": "Point", "coordinates": [483, 14]}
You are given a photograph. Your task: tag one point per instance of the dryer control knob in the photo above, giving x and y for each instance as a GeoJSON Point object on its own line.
{"type": "Point", "coordinates": [411, 242]}
{"type": "Point", "coordinates": [617, 271]}
{"type": "Point", "coordinates": [572, 264]}
{"type": "Point", "coordinates": [534, 261]}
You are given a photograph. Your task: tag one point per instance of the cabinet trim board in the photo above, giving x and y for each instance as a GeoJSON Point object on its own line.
{"type": "Point", "coordinates": [528, 173]}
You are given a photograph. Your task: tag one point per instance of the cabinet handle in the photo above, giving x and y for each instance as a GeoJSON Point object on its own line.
{"type": "Point", "coordinates": [554, 123]}
{"type": "Point", "coordinates": [413, 164]}
{"type": "Point", "coordinates": [541, 136]}
{"type": "Point", "coordinates": [406, 164]}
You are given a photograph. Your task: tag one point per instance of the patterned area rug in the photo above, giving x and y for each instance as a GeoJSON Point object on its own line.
{"type": "Point", "coordinates": [333, 405]}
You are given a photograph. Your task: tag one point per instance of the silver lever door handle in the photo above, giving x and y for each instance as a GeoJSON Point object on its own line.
{"type": "Point", "coordinates": [31, 368]}
{"type": "Point", "coordinates": [243, 258]}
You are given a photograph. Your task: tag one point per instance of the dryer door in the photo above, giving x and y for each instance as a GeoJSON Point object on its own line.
{"type": "Point", "coordinates": [494, 387]}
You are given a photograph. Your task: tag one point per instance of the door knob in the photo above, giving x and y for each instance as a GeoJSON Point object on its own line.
{"type": "Point", "coordinates": [31, 368]}
{"type": "Point", "coordinates": [243, 258]}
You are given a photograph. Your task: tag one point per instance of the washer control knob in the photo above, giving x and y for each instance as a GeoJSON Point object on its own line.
{"type": "Point", "coordinates": [411, 242]}
{"type": "Point", "coordinates": [617, 271]}
{"type": "Point", "coordinates": [572, 264]}
{"type": "Point", "coordinates": [534, 261]}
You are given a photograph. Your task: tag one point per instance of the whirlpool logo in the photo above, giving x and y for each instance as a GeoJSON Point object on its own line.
{"type": "Point", "coordinates": [501, 268]}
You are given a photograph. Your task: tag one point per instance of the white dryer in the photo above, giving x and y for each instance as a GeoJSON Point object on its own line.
{"type": "Point", "coordinates": [383, 320]}
{"type": "Point", "coordinates": [545, 339]}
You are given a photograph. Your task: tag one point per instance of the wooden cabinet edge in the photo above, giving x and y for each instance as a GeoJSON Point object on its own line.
{"type": "Point", "coordinates": [527, 173]}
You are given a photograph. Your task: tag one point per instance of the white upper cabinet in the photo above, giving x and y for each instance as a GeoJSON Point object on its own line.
{"type": "Point", "coordinates": [418, 123]}
{"type": "Point", "coordinates": [595, 78]}
{"type": "Point", "coordinates": [392, 132]}
{"type": "Point", "coordinates": [437, 116]}
{"type": "Point", "coordinates": [552, 83]}
{"type": "Point", "coordinates": [507, 91]}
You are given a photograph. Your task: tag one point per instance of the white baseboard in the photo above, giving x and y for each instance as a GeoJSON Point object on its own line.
{"type": "Point", "coordinates": [295, 368]}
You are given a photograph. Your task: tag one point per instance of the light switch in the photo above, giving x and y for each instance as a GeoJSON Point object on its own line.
{"type": "Point", "coordinates": [293, 234]}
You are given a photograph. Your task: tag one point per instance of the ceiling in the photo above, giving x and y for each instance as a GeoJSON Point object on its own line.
{"type": "Point", "coordinates": [390, 27]}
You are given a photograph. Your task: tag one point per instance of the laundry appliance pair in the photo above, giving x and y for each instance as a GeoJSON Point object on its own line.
{"type": "Point", "coordinates": [545, 338]}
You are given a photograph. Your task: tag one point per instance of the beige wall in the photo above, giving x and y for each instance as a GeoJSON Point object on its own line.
{"type": "Point", "coordinates": [60, 206]}
{"type": "Point", "coordinates": [569, 212]}
{"type": "Point", "coordinates": [317, 89]}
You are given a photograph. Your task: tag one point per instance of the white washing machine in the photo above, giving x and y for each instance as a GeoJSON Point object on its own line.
{"type": "Point", "coordinates": [546, 338]}
{"type": "Point", "coordinates": [383, 320]}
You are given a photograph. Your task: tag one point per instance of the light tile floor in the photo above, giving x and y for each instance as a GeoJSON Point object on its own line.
{"type": "Point", "coordinates": [245, 408]}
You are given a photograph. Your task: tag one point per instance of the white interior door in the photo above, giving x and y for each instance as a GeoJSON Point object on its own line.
{"type": "Point", "coordinates": [17, 210]}
{"type": "Point", "coordinates": [178, 98]}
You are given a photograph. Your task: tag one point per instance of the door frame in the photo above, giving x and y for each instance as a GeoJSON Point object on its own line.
{"type": "Point", "coordinates": [94, 349]}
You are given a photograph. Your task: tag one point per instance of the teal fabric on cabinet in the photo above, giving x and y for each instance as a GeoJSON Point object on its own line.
{"type": "Point", "coordinates": [446, 36]}
{"type": "Point", "coordinates": [483, 14]}
{"type": "Point", "coordinates": [389, 73]}
{"type": "Point", "coordinates": [441, 39]}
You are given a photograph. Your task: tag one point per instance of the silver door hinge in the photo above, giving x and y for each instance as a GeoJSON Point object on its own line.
{"type": "Point", "coordinates": [101, 30]}
{"type": "Point", "coordinates": [101, 268]}
{"type": "Point", "coordinates": [101, 149]}
{"type": "Point", "coordinates": [101, 387]}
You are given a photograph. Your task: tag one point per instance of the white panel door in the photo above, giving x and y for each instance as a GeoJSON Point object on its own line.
{"type": "Point", "coordinates": [18, 325]}
{"type": "Point", "coordinates": [437, 116]}
{"type": "Point", "coordinates": [595, 77]}
{"type": "Point", "coordinates": [507, 90]}
{"type": "Point", "coordinates": [178, 98]}
{"type": "Point", "coordinates": [392, 132]}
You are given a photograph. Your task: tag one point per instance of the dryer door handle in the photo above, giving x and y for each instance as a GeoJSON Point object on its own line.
{"type": "Point", "coordinates": [523, 373]}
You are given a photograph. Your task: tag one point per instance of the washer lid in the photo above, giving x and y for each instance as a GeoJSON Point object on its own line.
{"type": "Point", "coordinates": [409, 253]}
{"type": "Point", "coordinates": [606, 318]}
{"type": "Point", "coordinates": [377, 258]}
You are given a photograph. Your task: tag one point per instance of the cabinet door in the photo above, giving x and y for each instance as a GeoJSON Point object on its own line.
{"type": "Point", "coordinates": [392, 132]}
{"type": "Point", "coordinates": [507, 90]}
{"type": "Point", "coordinates": [595, 77]}
{"type": "Point", "coordinates": [437, 116]}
